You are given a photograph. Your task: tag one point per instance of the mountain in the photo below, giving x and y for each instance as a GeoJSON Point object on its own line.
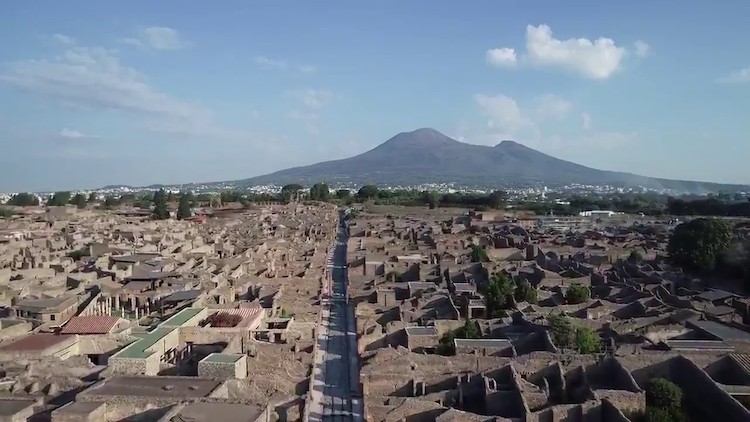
{"type": "Point", "coordinates": [428, 156]}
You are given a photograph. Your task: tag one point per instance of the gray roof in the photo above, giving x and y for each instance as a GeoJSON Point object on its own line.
{"type": "Point", "coordinates": [482, 343]}
{"type": "Point", "coordinates": [705, 345]}
{"type": "Point", "coordinates": [183, 295]}
{"type": "Point", "coordinates": [421, 331]}
{"type": "Point", "coordinates": [720, 331]}
{"type": "Point", "coordinates": [715, 295]}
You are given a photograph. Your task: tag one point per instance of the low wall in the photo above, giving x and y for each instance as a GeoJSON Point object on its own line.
{"type": "Point", "coordinates": [700, 390]}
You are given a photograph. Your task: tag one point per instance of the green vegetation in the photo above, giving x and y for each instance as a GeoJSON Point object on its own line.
{"type": "Point", "coordinates": [447, 347]}
{"type": "Point", "coordinates": [663, 403]}
{"type": "Point", "coordinates": [23, 200]}
{"type": "Point", "coordinates": [499, 295]}
{"type": "Point", "coordinates": [111, 202]}
{"type": "Point", "coordinates": [171, 197]}
{"type": "Point", "coordinates": [183, 209]}
{"type": "Point", "coordinates": [561, 331]}
{"type": "Point", "coordinates": [478, 254]}
{"type": "Point", "coordinates": [79, 200]}
{"type": "Point", "coordinates": [721, 205]}
{"type": "Point", "coordinates": [59, 199]}
{"type": "Point", "coordinates": [288, 192]}
{"type": "Point", "coordinates": [577, 293]}
{"type": "Point", "coordinates": [525, 292]}
{"type": "Point", "coordinates": [567, 336]}
{"type": "Point", "coordinates": [431, 199]}
{"type": "Point", "coordinates": [367, 192]}
{"type": "Point", "coordinates": [160, 205]}
{"type": "Point", "coordinates": [320, 192]}
{"type": "Point", "coordinates": [587, 341]}
{"type": "Point", "coordinates": [6, 212]}
{"type": "Point", "coordinates": [92, 198]}
{"type": "Point", "coordinates": [343, 194]}
{"type": "Point", "coordinates": [698, 244]}
{"type": "Point", "coordinates": [635, 257]}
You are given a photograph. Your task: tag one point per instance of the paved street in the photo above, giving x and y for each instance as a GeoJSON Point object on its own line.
{"type": "Point", "coordinates": [335, 395]}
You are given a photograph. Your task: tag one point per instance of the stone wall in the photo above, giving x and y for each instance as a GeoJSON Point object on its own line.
{"type": "Point", "coordinates": [223, 370]}
{"type": "Point", "coordinates": [63, 415]}
{"type": "Point", "coordinates": [15, 329]}
{"type": "Point", "coordinates": [701, 391]}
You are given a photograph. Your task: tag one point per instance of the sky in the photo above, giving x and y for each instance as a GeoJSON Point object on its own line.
{"type": "Point", "coordinates": [141, 92]}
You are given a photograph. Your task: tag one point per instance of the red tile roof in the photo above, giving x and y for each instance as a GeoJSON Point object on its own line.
{"type": "Point", "coordinates": [90, 324]}
{"type": "Point", "coordinates": [249, 315]}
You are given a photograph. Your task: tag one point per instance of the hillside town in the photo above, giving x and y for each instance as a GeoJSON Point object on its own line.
{"type": "Point", "coordinates": [246, 313]}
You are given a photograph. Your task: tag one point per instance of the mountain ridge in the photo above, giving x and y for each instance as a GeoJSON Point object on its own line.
{"type": "Point", "coordinates": [428, 156]}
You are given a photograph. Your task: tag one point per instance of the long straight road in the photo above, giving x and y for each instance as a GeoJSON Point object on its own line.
{"type": "Point", "coordinates": [335, 392]}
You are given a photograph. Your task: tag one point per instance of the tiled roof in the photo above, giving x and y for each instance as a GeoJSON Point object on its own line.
{"type": "Point", "coordinates": [249, 315]}
{"type": "Point", "coordinates": [34, 342]}
{"type": "Point", "coordinates": [90, 324]}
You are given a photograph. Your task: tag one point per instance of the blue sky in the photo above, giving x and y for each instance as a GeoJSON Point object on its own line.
{"type": "Point", "coordinates": [140, 92]}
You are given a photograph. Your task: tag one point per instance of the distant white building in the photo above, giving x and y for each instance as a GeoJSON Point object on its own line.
{"type": "Point", "coordinates": [596, 213]}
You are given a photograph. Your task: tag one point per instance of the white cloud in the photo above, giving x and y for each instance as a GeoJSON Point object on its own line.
{"type": "Point", "coordinates": [507, 119]}
{"type": "Point", "coordinates": [157, 38]}
{"type": "Point", "coordinates": [270, 63]}
{"type": "Point", "coordinates": [306, 68]}
{"type": "Point", "coordinates": [741, 76]}
{"type": "Point", "coordinates": [274, 64]}
{"type": "Point", "coordinates": [501, 57]}
{"type": "Point", "coordinates": [313, 98]}
{"type": "Point", "coordinates": [64, 39]}
{"type": "Point", "coordinates": [552, 107]}
{"type": "Point", "coordinates": [73, 134]}
{"type": "Point", "coordinates": [586, 119]}
{"type": "Point", "coordinates": [93, 78]}
{"type": "Point", "coordinates": [597, 59]}
{"type": "Point", "coordinates": [642, 49]}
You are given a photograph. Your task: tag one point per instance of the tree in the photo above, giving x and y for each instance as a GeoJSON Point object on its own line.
{"type": "Point", "coordinates": [171, 197]}
{"type": "Point", "coordinates": [183, 210]}
{"type": "Point", "coordinates": [59, 199]}
{"type": "Point", "coordinates": [111, 202]}
{"type": "Point", "coordinates": [561, 331]}
{"type": "Point", "coordinates": [5, 212]}
{"type": "Point", "coordinates": [663, 393]}
{"type": "Point", "coordinates": [468, 330]}
{"type": "Point", "coordinates": [160, 205]}
{"type": "Point", "coordinates": [23, 200]}
{"type": "Point", "coordinates": [92, 198]}
{"type": "Point", "coordinates": [289, 191]}
{"type": "Point", "coordinates": [446, 346]}
{"type": "Point", "coordinates": [587, 341]}
{"type": "Point", "coordinates": [497, 198]}
{"type": "Point", "coordinates": [498, 295]}
{"type": "Point", "coordinates": [79, 200]}
{"type": "Point", "coordinates": [431, 198]}
{"type": "Point", "coordinates": [343, 194]}
{"type": "Point", "coordinates": [525, 292]}
{"type": "Point", "coordinates": [320, 192]}
{"type": "Point", "coordinates": [698, 244]}
{"type": "Point", "coordinates": [478, 254]}
{"type": "Point", "coordinates": [635, 257]}
{"type": "Point", "coordinates": [660, 414]}
{"type": "Point", "coordinates": [367, 192]}
{"type": "Point", "coordinates": [577, 293]}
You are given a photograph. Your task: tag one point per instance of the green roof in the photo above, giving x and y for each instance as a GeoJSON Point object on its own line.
{"type": "Point", "coordinates": [181, 317]}
{"type": "Point", "coordinates": [222, 358]}
{"type": "Point", "coordinates": [137, 350]}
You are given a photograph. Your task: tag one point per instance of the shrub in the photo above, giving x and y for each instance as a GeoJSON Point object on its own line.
{"type": "Point", "coordinates": [525, 292]}
{"type": "Point", "coordinates": [587, 341]}
{"type": "Point", "coordinates": [663, 393]}
{"type": "Point", "coordinates": [577, 293]}
{"type": "Point", "coordinates": [561, 330]}
{"type": "Point", "coordinates": [478, 254]}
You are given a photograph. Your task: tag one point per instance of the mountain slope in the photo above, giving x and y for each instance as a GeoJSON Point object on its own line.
{"type": "Point", "coordinates": [426, 155]}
